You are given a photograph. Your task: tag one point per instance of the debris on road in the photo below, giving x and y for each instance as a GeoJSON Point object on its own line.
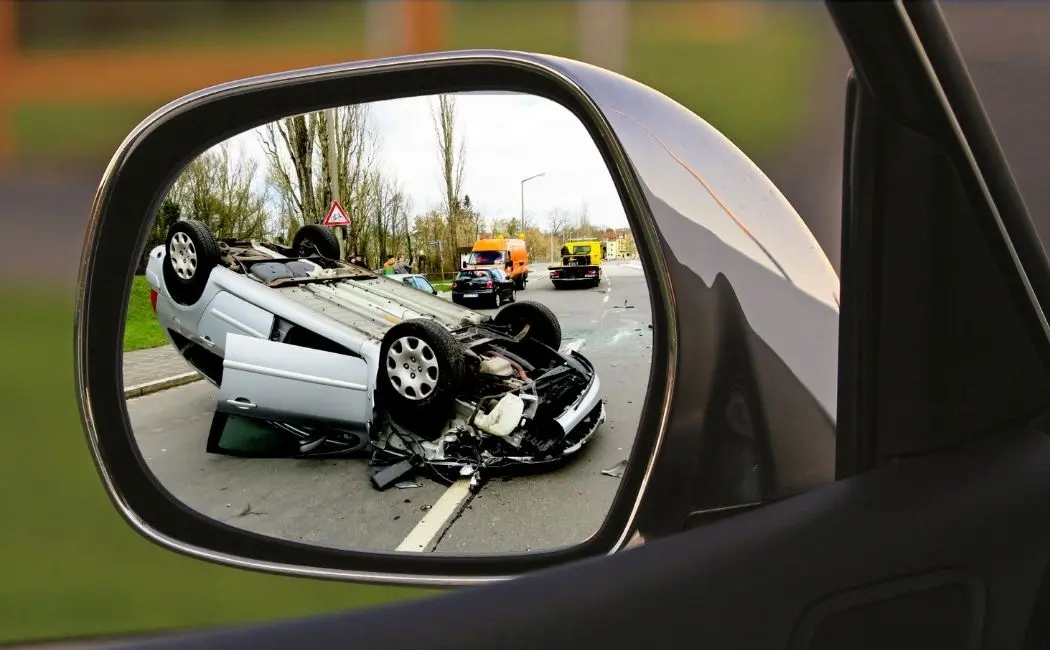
{"type": "Point", "coordinates": [616, 471]}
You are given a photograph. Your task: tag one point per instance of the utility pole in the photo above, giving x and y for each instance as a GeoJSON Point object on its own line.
{"type": "Point", "coordinates": [523, 200]}
{"type": "Point", "coordinates": [333, 176]}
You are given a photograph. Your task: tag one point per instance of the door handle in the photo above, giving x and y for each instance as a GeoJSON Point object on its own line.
{"type": "Point", "coordinates": [241, 403]}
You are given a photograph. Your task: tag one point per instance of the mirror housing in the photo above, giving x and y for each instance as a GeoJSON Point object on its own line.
{"type": "Point", "coordinates": [740, 404]}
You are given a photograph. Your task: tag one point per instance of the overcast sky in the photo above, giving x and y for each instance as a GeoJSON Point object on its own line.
{"type": "Point", "coordinates": [507, 137]}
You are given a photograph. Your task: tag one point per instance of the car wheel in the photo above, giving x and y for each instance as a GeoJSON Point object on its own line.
{"type": "Point", "coordinates": [497, 299]}
{"type": "Point", "coordinates": [420, 373]}
{"type": "Point", "coordinates": [513, 296]}
{"type": "Point", "coordinates": [542, 323]}
{"type": "Point", "coordinates": [315, 239]}
{"type": "Point", "coordinates": [191, 252]}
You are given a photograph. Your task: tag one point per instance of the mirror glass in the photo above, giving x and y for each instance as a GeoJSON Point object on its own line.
{"type": "Point", "coordinates": [415, 325]}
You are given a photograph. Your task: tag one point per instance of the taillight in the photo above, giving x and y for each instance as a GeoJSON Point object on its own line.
{"type": "Point", "coordinates": [488, 284]}
{"type": "Point", "coordinates": [153, 299]}
{"type": "Point", "coordinates": [592, 272]}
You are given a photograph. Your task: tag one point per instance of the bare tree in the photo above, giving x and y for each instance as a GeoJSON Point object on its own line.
{"type": "Point", "coordinates": [218, 190]}
{"type": "Point", "coordinates": [558, 221]}
{"type": "Point", "coordinates": [451, 159]}
{"type": "Point", "coordinates": [297, 153]}
{"type": "Point", "coordinates": [289, 146]}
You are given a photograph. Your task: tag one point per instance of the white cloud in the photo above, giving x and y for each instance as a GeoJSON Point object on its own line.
{"type": "Point", "coordinates": [507, 137]}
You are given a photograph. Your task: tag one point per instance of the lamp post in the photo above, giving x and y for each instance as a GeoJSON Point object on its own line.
{"type": "Point", "coordinates": [523, 198]}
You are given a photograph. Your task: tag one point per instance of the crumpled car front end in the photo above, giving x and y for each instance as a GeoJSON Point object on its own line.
{"type": "Point", "coordinates": [529, 408]}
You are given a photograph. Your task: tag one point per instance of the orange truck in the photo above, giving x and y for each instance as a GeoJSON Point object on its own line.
{"type": "Point", "coordinates": [509, 255]}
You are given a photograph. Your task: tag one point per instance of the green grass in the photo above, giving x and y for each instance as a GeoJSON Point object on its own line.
{"type": "Point", "coordinates": [442, 285]}
{"type": "Point", "coordinates": [71, 566]}
{"type": "Point", "coordinates": [753, 89]}
{"type": "Point", "coordinates": [142, 329]}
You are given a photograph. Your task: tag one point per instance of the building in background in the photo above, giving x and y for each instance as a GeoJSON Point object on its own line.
{"type": "Point", "coordinates": [625, 244]}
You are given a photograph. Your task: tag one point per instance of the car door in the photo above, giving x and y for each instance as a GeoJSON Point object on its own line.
{"type": "Point", "coordinates": [268, 380]}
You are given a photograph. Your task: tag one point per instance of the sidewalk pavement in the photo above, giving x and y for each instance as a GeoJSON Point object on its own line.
{"type": "Point", "coordinates": [148, 370]}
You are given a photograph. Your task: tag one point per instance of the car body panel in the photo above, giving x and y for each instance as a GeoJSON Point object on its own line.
{"type": "Point", "coordinates": [228, 314]}
{"type": "Point", "coordinates": [586, 402]}
{"type": "Point", "coordinates": [268, 380]}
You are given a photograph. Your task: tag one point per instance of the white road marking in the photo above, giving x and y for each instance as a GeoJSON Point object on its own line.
{"type": "Point", "coordinates": [606, 298]}
{"type": "Point", "coordinates": [438, 518]}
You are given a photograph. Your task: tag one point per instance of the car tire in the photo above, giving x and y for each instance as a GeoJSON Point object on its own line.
{"type": "Point", "coordinates": [513, 296]}
{"type": "Point", "coordinates": [543, 324]}
{"type": "Point", "coordinates": [315, 239]}
{"type": "Point", "coordinates": [190, 253]}
{"type": "Point", "coordinates": [423, 402]}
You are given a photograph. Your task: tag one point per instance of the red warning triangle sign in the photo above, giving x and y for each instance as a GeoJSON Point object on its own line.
{"type": "Point", "coordinates": [336, 216]}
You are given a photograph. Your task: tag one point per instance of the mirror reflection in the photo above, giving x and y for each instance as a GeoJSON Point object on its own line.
{"type": "Point", "coordinates": [418, 325]}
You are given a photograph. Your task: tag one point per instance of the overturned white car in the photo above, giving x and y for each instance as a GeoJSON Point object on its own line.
{"type": "Point", "coordinates": [340, 359]}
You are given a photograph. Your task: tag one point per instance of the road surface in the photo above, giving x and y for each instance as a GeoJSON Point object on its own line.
{"type": "Point", "coordinates": [332, 503]}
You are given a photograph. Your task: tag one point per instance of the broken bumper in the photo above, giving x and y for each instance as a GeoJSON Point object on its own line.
{"type": "Point", "coordinates": [584, 405]}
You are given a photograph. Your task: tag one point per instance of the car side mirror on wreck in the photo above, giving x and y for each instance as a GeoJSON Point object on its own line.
{"type": "Point", "coordinates": [268, 406]}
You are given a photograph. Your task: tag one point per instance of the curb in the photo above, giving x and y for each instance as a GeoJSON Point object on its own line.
{"type": "Point", "coordinates": [158, 385]}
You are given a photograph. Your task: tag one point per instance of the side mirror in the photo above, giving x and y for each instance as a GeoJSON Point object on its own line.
{"type": "Point", "coordinates": [712, 378]}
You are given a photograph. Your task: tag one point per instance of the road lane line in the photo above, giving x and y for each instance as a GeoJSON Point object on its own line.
{"type": "Point", "coordinates": [438, 518]}
{"type": "Point", "coordinates": [150, 387]}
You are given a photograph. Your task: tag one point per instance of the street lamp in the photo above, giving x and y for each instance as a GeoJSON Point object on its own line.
{"type": "Point", "coordinates": [523, 198]}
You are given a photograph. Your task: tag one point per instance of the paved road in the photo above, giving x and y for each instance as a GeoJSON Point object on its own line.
{"type": "Point", "coordinates": [332, 503]}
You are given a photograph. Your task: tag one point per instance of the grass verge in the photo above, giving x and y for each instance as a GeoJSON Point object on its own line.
{"type": "Point", "coordinates": [142, 331]}
{"type": "Point", "coordinates": [71, 566]}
